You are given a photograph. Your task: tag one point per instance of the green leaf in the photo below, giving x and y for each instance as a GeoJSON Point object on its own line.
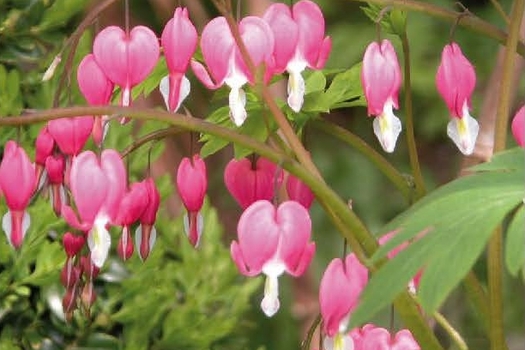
{"type": "Point", "coordinates": [515, 244]}
{"type": "Point", "coordinates": [458, 220]}
{"type": "Point", "coordinates": [316, 81]}
{"type": "Point", "coordinates": [60, 12]}
{"type": "Point", "coordinates": [346, 86]}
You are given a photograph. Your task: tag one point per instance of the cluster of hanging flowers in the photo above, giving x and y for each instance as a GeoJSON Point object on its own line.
{"type": "Point", "coordinates": [92, 193]}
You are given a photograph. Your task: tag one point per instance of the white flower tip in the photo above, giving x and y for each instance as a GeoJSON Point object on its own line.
{"type": "Point", "coordinates": [296, 91]}
{"type": "Point", "coordinates": [50, 71]}
{"type": "Point", "coordinates": [164, 88]}
{"type": "Point", "coordinates": [99, 242]}
{"type": "Point", "coordinates": [237, 102]}
{"type": "Point", "coordinates": [8, 228]}
{"type": "Point", "coordinates": [387, 128]}
{"type": "Point", "coordinates": [270, 305]}
{"type": "Point", "coordinates": [138, 240]}
{"type": "Point", "coordinates": [464, 132]}
{"type": "Point", "coordinates": [193, 233]}
{"type": "Point", "coordinates": [184, 92]}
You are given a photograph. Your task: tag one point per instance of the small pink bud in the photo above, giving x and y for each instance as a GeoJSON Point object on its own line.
{"type": "Point", "coordinates": [192, 182]}
{"type": "Point", "coordinates": [72, 243]}
{"type": "Point", "coordinates": [518, 127]}
{"type": "Point", "coordinates": [299, 192]}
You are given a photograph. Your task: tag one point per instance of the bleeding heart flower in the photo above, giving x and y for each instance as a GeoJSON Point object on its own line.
{"type": "Point", "coordinates": [299, 43]}
{"type": "Point", "coordinates": [299, 192]}
{"type": "Point", "coordinates": [272, 241]}
{"type": "Point", "coordinates": [17, 183]}
{"type": "Point", "coordinates": [97, 186]}
{"type": "Point", "coordinates": [381, 79]}
{"type": "Point", "coordinates": [126, 58]}
{"type": "Point", "coordinates": [72, 243]}
{"type": "Point", "coordinates": [192, 183]}
{"type": "Point", "coordinates": [44, 145]}
{"type": "Point", "coordinates": [339, 291]}
{"type": "Point", "coordinates": [378, 338]}
{"type": "Point", "coordinates": [131, 208]}
{"type": "Point", "coordinates": [518, 126]}
{"type": "Point", "coordinates": [55, 167]}
{"type": "Point", "coordinates": [456, 80]}
{"type": "Point", "coordinates": [179, 41]}
{"type": "Point", "coordinates": [224, 60]}
{"type": "Point", "coordinates": [70, 134]}
{"type": "Point", "coordinates": [146, 234]}
{"type": "Point", "coordinates": [248, 182]}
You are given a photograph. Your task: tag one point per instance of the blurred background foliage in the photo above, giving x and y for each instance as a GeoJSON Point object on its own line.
{"type": "Point", "coordinates": [195, 299]}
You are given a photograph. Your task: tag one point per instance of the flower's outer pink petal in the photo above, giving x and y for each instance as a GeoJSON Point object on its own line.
{"type": "Point", "coordinates": [72, 220]}
{"type": "Point", "coordinates": [324, 53]}
{"type": "Point", "coordinates": [202, 74]}
{"type": "Point", "coordinates": [240, 181]}
{"type": "Point", "coordinates": [43, 146]}
{"type": "Point", "coordinates": [285, 33]}
{"type": "Point", "coordinates": [380, 76]}
{"type": "Point", "coordinates": [455, 79]}
{"type": "Point", "coordinates": [295, 228]}
{"type": "Point", "coordinates": [193, 227]}
{"type": "Point", "coordinates": [143, 53]}
{"type": "Point", "coordinates": [150, 213]}
{"type": "Point", "coordinates": [404, 341]}
{"type": "Point", "coordinates": [257, 36]}
{"type": "Point", "coordinates": [15, 224]}
{"type": "Point", "coordinates": [179, 41]}
{"type": "Point", "coordinates": [110, 49]}
{"type": "Point", "coordinates": [298, 191]}
{"type": "Point", "coordinates": [356, 272]}
{"type": "Point", "coordinates": [17, 177]}
{"type": "Point", "coordinates": [337, 296]}
{"type": "Point", "coordinates": [55, 166]}
{"type": "Point", "coordinates": [217, 45]}
{"type": "Point", "coordinates": [238, 259]}
{"type": "Point", "coordinates": [72, 243]}
{"type": "Point", "coordinates": [304, 261]}
{"type": "Point", "coordinates": [258, 234]}
{"type": "Point", "coordinates": [89, 185]}
{"type": "Point", "coordinates": [518, 127]}
{"type": "Point", "coordinates": [125, 247]}
{"type": "Point", "coordinates": [192, 182]}
{"type": "Point", "coordinates": [71, 134]}
{"type": "Point", "coordinates": [310, 21]}
{"type": "Point", "coordinates": [132, 205]}
{"type": "Point", "coordinates": [115, 172]}
{"type": "Point", "coordinates": [93, 83]}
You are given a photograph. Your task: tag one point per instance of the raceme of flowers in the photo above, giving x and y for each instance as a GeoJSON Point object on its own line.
{"type": "Point", "coordinates": [91, 192]}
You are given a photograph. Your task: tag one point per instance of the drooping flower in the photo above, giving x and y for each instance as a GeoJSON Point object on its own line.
{"type": "Point", "coordinates": [299, 43]}
{"type": "Point", "coordinates": [55, 167]}
{"type": "Point", "coordinates": [298, 191]}
{"type": "Point", "coordinates": [272, 241]}
{"type": "Point", "coordinates": [17, 183]}
{"type": "Point", "coordinates": [192, 183]}
{"type": "Point", "coordinates": [455, 81]}
{"type": "Point", "coordinates": [381, 79]}
{"type": "Point", "coordinates": [97, 90]}
{"type": "Point", "coordinates": [249, 181]}
{"type": "Point", "coordinates": [146, 234]}
{"type": "Point", "coordinates": [339, 291]}
{"type": "Point", "coordinates": [225, 62]}
{"type": "Point", "coordinates": [71, 134]}
{"type": "Point", "coordinates": [518, 127]}
{"type": "Point", "coordinates": [126, 58]}
{"type": "Point", "coordinates": [131, 208]}
{"type": "Point", "coordinates": [97, 185]}
{"type": "Point", "coordinates": [44, 145]}
{"type": "Point", "coordinates": [179, 41]}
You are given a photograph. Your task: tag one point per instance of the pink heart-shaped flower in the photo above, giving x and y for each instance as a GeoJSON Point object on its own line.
{"type": "Point", "coordinates": [70, 134]}
{"type": "Point", "coordinates": [72, 243]}
{"type": "Point", "coordinates": [126, 59]}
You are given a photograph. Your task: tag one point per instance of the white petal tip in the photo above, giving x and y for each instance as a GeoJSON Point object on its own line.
{"type": "Point", "coordinates": [464, 132]}
{"type": "Point", "coordinates": [387, 128]}
{"type": "Point", "coordinates": [270, 305]}
{"type": "Point", "coordinates": [296, 91]}
{"type": "Point", "coordinates": [339, 342]}
{"type": "Point", "coordinates": [237, 102]}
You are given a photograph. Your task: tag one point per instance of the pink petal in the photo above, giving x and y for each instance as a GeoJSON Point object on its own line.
{"type": "Point", "coordinates": [115, 173]}
{"type": "Point", "coordinates": [89, 185]}
{"type": "Point", "coordinates": [132, 205]}
{"type": "Point", "coordinates": [310, 21]}
{"type": "Point", "coordinates": [202, 74]}
{"type": "Point", "coordinates": [71, 134]}
{"type": "Point", "coordinates": [257, 36]}
{"type": "Point", "coordinates": [380, 76]}
{"type": "Point", "coordinates": [217, 45]}
{"type": "Point", "coordinates": [258, 234]}
{"type": "Point", "coordinates": [377, 339]}
{"type": "Point", "coordinates": [17, 177]}
{"type": "Point", "coordinates": [179, 41]}
{"type": "Point", "coordinates": [404, 340]}
{"type": "Point", "coordinates": [150, 213]}
{"type": "Point", "coordinates": [72, 220]}
{"type": "Point", "coordinates": [299, 192]}
{"type": "Point", "coordinates": [43, 146]}
{"type": "Point", "coordinates": [285, 33]}
{"type": "Point", "coordinates": [93, 83]}
{"type": "Point", "coordinates": [192, 182]}
{"type": "Point", "coordinates": [455, 79]}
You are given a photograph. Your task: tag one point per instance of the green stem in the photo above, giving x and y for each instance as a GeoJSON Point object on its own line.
{"type": "Point", "coordinates": [409, 121]}
{"type": "Point", "coordinates": [495, 255]}
{"type": "Point", "coordinates": [350, 225]}
{"type": "Point", "coordinates": [454, 334]}
{"type": "Point", "coordinates": [470, 22]}
{"type": "Point", "coordinates": [310, 334]}
{"type": "Point", "coordinates": [354, 141]}
{"type": "Point", "coordinates": [479, 299]}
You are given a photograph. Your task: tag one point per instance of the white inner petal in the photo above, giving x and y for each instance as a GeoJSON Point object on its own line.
{"type": "Point", "coordinates": [237, 102]}
{"type": "Point", "coordinates": [387, 128]}
{"type": "Point", "coordinates": [339, 342]}
{"type": "Point", "coordinates": [464, 132]}
{"type": "Point", "coordinates": [296, 90]}
{"type": "Point", "coordinates": [270, 303]}
{"type": "Point", "coordinates": [99, 242]}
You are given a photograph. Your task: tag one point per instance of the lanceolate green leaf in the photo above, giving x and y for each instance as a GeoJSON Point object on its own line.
{"type": "Point", "coordinates": [515, 244]}
{"type": "Point", "coordinates": [513, 159]}
{"type": "Point", "coordinates": [457, 220]}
